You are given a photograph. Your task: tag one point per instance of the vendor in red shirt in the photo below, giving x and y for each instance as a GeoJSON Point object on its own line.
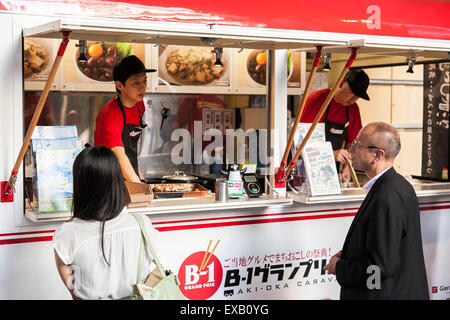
{"type": "Point", "coordinates": [120, 122]}
{"type": "Point", "coordinates": [342, 118]}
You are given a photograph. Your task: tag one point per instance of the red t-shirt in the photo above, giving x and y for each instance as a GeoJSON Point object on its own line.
{"type": "Point", "coordinates": [337, 113]}
{"type": "Point", "coordinates": [109, 123]}
{"type": "Point", "coordinates": [191, 109]}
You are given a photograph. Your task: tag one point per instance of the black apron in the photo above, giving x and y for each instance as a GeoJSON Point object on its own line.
{"type": "Point", "coordinates": [130, 137]}
{"type": "Point", "coordinates": [336, 132]}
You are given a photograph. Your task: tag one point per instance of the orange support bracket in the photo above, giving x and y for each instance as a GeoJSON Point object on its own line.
{"type": "Point", "coordinates": [279, 176]}
{"type": "Point", "coordinates": [7, 187]}
{"type": "Point", "coordinates": [330, 96]}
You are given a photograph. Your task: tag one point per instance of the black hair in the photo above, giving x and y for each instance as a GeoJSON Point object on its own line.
{"type": "Point", "coordinates": [98, 187]}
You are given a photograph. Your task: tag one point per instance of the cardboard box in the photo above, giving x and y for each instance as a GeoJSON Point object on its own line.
{"type": "Point", "coordinates": [254, 118]}
{"type": "Point", "coordinates": [138, 194]}
{"type": "Point", "coordinates": [237, 101]}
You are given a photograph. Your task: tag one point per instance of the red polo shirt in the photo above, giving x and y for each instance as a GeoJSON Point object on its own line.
{"type": "Point", "coordinates": [337, 113]}
{"type": "Point", "coordinates": [109, 123]}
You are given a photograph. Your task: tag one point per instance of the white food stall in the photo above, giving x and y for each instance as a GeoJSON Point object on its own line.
{"type": "Point", "coordinates": [271, 247]}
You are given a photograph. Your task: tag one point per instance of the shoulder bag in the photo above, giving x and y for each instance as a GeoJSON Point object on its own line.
{"type": "Point", "coordinates": [160, 284]}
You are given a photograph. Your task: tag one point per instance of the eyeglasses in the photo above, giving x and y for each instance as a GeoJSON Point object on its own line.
{"type": "Point", "coordinates": [356, 145]}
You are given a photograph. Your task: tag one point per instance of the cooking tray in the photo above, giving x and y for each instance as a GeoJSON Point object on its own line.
{"type": "Point", "coordinates": [178, 190]}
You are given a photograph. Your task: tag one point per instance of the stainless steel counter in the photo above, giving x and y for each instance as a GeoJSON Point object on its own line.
{"type": "Point", "coordinates": [358, 194]}
{"type": "Point", "coordinates": [162, 206]}
{"type": "Point", "coordinates": [209, 203]}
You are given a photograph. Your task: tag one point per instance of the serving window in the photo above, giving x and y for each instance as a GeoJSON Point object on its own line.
{"type": "Point", "coordinates": [187, 94]}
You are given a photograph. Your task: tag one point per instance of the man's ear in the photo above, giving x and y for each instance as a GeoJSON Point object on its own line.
{"type": "Point", "coordinates": [379, 154]}
{"type": "Point", "coordinates": [119, 85]}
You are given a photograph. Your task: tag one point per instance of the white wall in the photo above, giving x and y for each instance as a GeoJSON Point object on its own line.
{"type": "Point", "coordinates": [27, 271]}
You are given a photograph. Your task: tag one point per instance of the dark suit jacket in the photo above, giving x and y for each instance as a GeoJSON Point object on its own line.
{"type": "Point", "coordinates": [385, 232]}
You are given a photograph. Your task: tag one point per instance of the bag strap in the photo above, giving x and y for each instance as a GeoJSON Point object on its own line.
{"type": "Point", "coordinates": [141, 257]}
{"type": "Point", "coordinates": [149, 244]}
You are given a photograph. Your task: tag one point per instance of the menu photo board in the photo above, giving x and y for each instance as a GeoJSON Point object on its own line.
{"type": "Point", "coordinates": [318, 135]}
{"type": "Point", "coordinates": [321, 169]}
{"type": "Point", "coordinates": [192, 69]}
{"type": "Point", "coordinates": [38, 57]}
{"type": "Point", "coordinates": [96, 73]}
{"type": "Point", "coordinates": [250, 71]}
{"type": "Point", "coordinates": [54, 151]}
{"type": "Point", "coordinates": [436, 117]}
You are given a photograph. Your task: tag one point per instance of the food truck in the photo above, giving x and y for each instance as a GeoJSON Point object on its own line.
{"type": "Point", "coordinates": [270, 246]}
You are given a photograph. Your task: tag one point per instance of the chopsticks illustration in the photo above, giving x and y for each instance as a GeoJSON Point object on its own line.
{"type": "Point", "coordinates": [205, 263]}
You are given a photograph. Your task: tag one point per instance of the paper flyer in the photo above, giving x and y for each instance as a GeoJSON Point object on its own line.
{"type": "Point", "coordinates": [55, 179]}
{"type": "Point", "coordinates": [321, 169]}
{"type": "Point", "coordinates": [54, 151]}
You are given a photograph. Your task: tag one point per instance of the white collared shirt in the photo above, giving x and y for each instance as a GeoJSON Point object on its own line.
{"type": "Point", "coordinates": [78, 244]}
{"type": "Point", "coordinates": [370, 183]}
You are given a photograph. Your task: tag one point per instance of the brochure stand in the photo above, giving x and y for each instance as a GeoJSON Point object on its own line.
{"type": "Point", "coordinates": [54, 150]}
{"type": "Point", "coordinates": [320, 168]}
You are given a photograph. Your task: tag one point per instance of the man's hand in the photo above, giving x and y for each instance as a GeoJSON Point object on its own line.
{"type": "Point", "coordinates": [342, 156]}
{"type": "Point", "coordinates": [345, 173]}
{"type": "Point", "coordinates": [331, 266]}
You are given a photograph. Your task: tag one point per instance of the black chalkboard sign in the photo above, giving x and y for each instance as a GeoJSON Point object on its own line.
{"type": "Point", "coordinates": [436, 116]}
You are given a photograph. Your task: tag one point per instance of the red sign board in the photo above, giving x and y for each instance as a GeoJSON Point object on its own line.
{"type": "Point", "coordinates": [402, 18]}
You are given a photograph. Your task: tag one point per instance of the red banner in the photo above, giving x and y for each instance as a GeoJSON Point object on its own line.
{"type": "Point", "coordinates": [403, 18]}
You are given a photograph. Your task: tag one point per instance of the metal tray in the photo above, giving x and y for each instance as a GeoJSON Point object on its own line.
{"type": "Point", "coordinates": [178, 190]}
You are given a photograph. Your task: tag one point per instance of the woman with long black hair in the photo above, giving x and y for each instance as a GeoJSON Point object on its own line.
{"type": "Point", "coordinates": [97, 251]}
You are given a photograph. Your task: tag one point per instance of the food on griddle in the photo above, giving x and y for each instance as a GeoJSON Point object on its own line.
{"type": "Point", "coordinates": [193, 65]}
{"type": "Point", "coordinates": [170, 188]}
{"type": "Point", "coordinates": [35, 58]}
{"type": "Point", "coordinates": [101, 59]}
{"type": "Point", "coordinates": [175, 187]}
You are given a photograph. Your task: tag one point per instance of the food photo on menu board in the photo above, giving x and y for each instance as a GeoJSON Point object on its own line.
{"type": "Point", "coordinates": [101, 57]}
{"type": "Point", "coordinates": [193, 66]}
{"type": "Point", "coordinates": [37, 58]}
{"type": "Point", "coordinates": [252, 65]}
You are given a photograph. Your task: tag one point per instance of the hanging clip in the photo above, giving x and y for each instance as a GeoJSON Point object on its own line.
{"type": "Point", "coordinates": [158, 41]}
{"type": "Point", "coordinates": [411, 62]}
{"type": "Point", "coordinates": [242, 47]}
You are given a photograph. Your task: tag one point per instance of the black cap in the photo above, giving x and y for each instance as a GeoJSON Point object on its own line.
{"type": "Point", "coordinates": [358, 81]}
{"type": "Point", "coordinates": [127, 67]}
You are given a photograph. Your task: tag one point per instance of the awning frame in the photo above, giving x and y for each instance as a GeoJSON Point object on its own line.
{"type": "Point", "coordinates": [190, 34]}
